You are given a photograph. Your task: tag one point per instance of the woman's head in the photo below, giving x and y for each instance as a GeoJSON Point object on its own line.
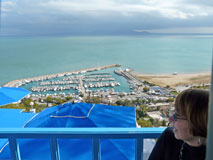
{"type": "Point", "coordinates": [192, 105]}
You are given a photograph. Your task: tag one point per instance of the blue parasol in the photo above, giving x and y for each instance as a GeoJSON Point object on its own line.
{"type": "Point", "coordinates": [80, 115]}
{"type": "Point", "coordinates": [11, 94]}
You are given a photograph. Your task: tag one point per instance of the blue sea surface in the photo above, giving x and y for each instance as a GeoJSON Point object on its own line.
{"type": "Point", "coordinates": [24, 57]}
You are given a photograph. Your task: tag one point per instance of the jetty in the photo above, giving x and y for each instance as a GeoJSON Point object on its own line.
{"type": "Point", "coordinates": [19, 82]}
{"type": "Point", "coordinates": [128, 75]}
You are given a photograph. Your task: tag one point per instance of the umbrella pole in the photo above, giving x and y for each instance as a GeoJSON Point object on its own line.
{"type": "Point", "coordinates": [209, 153]}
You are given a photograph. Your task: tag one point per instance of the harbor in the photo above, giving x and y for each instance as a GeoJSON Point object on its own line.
{"type": "Point", "coordinates": [17, 83]}
{"type": "Point", "coordinates": [99, 81]}
{"type": "Point", "coordinates": [109, 84]}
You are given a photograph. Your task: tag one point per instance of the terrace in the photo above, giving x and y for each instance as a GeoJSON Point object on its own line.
{"type": "Point", "coordinates": [96, 134]}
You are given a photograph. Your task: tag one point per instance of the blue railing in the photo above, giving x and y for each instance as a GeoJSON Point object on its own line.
{"type": "Point", "coordinates": [12, 134]}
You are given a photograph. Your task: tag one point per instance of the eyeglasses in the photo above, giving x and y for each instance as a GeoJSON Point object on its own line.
{"type": "Point", "coordinates": [174, 118]}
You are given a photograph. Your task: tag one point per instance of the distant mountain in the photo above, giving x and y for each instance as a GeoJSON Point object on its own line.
{"type": "Point", "coordinates": [175, 34]}
{"type": "Point", "coordinates": [102, 32]}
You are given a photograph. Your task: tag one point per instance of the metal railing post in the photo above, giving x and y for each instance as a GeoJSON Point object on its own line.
{"type": "Point", "coordinates": [55, 155]}
{"type": "Point", "coordinates": [14, 149]}
{"type": "Point", "coordinates": [96, 149]}
{"type": "Point", "coordinates": [139, 149]}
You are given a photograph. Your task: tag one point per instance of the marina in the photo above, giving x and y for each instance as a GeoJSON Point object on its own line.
{"type": "Point", "coordinates": [80, 83]}
{"type": "Point", "coordinates": [92, 80]}
{"type": "Point", "coordinates": [102, 80]}
{"type": "Point", "coordinates": [20, 82]}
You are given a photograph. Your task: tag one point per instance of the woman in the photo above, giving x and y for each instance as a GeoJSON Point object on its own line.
{"type": "Point", "coordinates": [186, 140]}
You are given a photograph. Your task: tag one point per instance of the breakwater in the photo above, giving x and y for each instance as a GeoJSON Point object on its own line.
{"type": "Point", "coordinates": [19, 82]}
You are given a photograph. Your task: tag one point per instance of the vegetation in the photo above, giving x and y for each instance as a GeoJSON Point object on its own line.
{"type": "Point", "coordinates": [141, 113]}
{"type": "Point", "coordinates": [39, 106]}
{"type": "Point", "coordinates": [170, 99]}
{"type": "Point", "coordinates": [13, 106]}
{"type": "Point", "coordinates": [145, 89]}
{"type": "Point", "coordinates": [57, 101]}
{"type": "Point", "coordinates": [167, 86]}
{"type": "Point", "coordinates": [126, 102]}
{"type": "Point", "coordinates": [95, 100]}
{"type": "Point", "coordinates": [144, 123]}
{"type": "Point", "coordinates": [150, 84]}
{"type": "Point", "coordinates": [175, 93]}
{"type": "Point", "coordinates": [81, 95]}
{"type": "Point", "coordinates": [204, 86]}
{"type": "Point", "coordinates": [25, 104]}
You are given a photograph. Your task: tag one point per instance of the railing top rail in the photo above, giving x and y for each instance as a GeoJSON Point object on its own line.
{"type": "Point", "coordinates": [80, 132]}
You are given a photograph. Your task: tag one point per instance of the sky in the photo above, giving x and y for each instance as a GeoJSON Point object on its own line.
{"type": "Point", "coordinates": [97, 17]}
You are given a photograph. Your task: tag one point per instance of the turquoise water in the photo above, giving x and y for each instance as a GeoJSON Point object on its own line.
{"type": "Point", "coordinates": [34, 56]}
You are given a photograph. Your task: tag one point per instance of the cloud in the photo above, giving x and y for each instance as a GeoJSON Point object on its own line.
{"type": "Point", "coordinates": [7, 6]}
{"type": "Point", "coordinates": [81, 16]}
{"type": "Point", "coordinates": [167, 8]}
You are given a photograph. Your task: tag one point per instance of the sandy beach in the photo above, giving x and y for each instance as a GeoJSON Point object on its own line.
{"type": "Point", "coordinates": [176, 80]}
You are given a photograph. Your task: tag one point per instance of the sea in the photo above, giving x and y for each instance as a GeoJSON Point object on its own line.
{"type": "Point", "coordinates": [24, 57]}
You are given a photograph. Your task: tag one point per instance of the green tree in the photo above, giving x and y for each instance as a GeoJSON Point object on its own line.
{"type": "Point", "coordinates": [68, 98]}
{"type": "Point", "coordinates": [119, 103]}
{"type": "Point", "coordinates": [49, 99]}
{"type": "Point", "coordinates": [138, 102]}
{"type": "Point", "coordinates": [141, 112]}
{"type": "Point", "coordinates": [167, 86]}
{"type": "Point", "coordinates": [144, 123]}
{"type": "Point", "coordinates": [59, 101]}
{"type": "Point", "coordinates": [95, 100]}
{"type": "Point", "coordinates": [127, 103]}
{"type": "Point", "coordinates": [26, 101]}
{"type": "Point", "coordinates": [164, 123]}
{"type": "Point", "coordinates": [170, 99]}
{"type": "Point", "coordinates": [81, 95]}
{"type": "Point", "coordinates": [145, 89]}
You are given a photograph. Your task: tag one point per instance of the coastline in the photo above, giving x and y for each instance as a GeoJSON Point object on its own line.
{"type": "Point", "coordinates": [18, 82]}
{"type": "Point", "coordinates": [172, 80]}
{"type": "Point", "coordinates": [162, 80]}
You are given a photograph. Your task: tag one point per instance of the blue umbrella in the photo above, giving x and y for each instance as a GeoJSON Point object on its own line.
{"type": "Point", "coordinates": [11, 94]}
{"type": "Point", "coordinates": [80, 115]}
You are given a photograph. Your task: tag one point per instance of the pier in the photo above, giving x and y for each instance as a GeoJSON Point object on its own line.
{"type": "Point", "coordinates": [132, 79]}
{"type": "Point", "coordinates": [81, 86]}
{"type": "Point", "coordinates": [17, 83]}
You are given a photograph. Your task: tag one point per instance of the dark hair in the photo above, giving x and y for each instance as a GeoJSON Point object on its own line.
{"type": "Point", "coordinates": [193, 104]}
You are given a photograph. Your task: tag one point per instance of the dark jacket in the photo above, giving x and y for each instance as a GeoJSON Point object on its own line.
{"type": "Point", "coordinates": [168, 148]}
